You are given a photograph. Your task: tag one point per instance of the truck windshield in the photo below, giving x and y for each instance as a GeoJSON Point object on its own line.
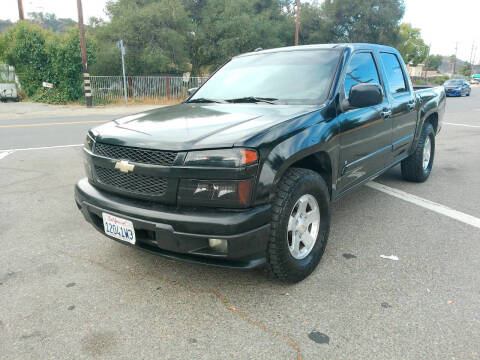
{"type": "Point", "coordinates": [285, 77]}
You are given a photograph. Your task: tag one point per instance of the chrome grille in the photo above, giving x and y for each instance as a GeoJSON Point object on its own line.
{"type": "Point", "coordinates": [131, 182]}
{"type": "Point", "coordinates": [146, 156]}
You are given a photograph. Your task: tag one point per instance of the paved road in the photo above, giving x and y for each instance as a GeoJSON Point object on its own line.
{"type": "Point", "coordinates": [66, 292]}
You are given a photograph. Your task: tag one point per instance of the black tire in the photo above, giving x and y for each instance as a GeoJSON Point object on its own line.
{"type": "Point", "coordinates": [295, 183]}
{"type": "Point", "coordinates": [468, 94]}
{"type": "Point", "coordinates": [412, 167]}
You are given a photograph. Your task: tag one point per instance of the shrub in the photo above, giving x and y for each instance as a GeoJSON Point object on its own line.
{"type": "Point", "coordinates": [39, 55]}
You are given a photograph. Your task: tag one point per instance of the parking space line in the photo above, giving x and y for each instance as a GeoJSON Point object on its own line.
{"type": "Point", "coordinates": [39, 148]}
{"type": "Point", "coordinates": [430, 205]}
{"type": "Point", "coordinates": [54, 123]}
{"type": "Point", "coordinates": [472, 126]}
{"type": "Point", "coordinates": [4, 154]}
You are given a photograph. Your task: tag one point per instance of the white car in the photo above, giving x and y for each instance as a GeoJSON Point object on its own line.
{"type": "Point", "coordinates": [8, 91]}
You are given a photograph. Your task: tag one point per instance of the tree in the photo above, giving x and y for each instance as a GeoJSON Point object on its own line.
{"type": "Point", "coordinates": [411, 45]}
{"type": "Point", "coordinates": [312, 25]}
{"type": "Point", "coordinates": [40, 55]}
{"type": "Point", "coordinates": [434, 62]}
{"type": "Point", "coordinates": [24, 46]}
{"type": "Point", "coordinates": [373, 21]}
{"type": "Point", "coordinates": [226, 28]}
{"type": "Point", "coordinates": [465, 70]}
{"type": "Point", "coordinates": [154, 32]}
{"type": "Point", "coordinates": [50, 22]}
{"type": "Point", "coordinates": [4, 25]}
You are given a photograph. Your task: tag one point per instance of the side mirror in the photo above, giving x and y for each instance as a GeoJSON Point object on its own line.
{"type": "Point", "coordinates": [192, 91]}
{"type": "Point", "coordinates": [363, 95]}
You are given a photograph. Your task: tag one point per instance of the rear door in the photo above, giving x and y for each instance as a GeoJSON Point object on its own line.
{"type": "Point", "coordinates": [402, 99]}
{"type": "Point", "coordinates": [365, 134]}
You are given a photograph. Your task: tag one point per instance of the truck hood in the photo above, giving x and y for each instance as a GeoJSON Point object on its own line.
{"type": "Point", "coordinates": [196, 126]}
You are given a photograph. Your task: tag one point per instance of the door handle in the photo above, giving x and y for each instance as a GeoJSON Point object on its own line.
{"type": "Point", "coordinates": [386, 113]}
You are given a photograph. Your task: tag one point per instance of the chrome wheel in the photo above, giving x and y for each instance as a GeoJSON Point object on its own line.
{"type": "Point", "coordinates": [303, 226]}
{"type": "Point", "coordinates": [427, 151]}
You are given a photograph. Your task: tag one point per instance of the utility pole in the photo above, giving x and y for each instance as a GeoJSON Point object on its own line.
{"type": "Point", "coordinates": [455, 59]}
{"type": "Point", "coordinates": [20, 10]}
{"type": "Point", "coordinates": [297, 24]}
{"type": "Point", "coordinates": [471, 58]}
{"type": "Point", "coordinates": [83, 47]}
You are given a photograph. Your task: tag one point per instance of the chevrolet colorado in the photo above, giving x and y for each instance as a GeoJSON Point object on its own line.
{"type": "Point", "coordinates": [243, 172]}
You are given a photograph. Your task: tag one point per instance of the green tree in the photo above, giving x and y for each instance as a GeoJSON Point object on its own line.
{"type": "Point", "coordinates": [50, 22]}
{"type": "Point", "coordinates": [154, 32]}
{"type": "Point", "coordinates": [465, 70]}
{"type": "Point", "coordinates": [4, 25]}
{"type": "Point", "coordinates": [411, 45]}
{"type": "Point", "coordinates": [312, 25]}
{"type": "Point", "coordinates": [229, 27]}
{"type": "Point", "coordinates": [434, 62]}
{"type": "Point", "coordinates": [24, 46]}
{"type": "Point", "coordinates": [40, 55]}
{"type": "Point", "coordinates": [372, 21]}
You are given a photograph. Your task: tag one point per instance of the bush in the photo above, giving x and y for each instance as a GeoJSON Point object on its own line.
{"type": "Point", "coordinates": [440, 79]}
{"type": "Point", "coordinates": [39, 55]}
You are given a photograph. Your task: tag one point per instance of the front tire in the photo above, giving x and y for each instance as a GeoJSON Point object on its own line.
{"type": "Point", "coordinates": [300, 225]}
{"type": "Point", "coordinates": [418, 166]}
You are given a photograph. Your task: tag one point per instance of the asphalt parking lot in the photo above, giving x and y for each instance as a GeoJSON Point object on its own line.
{"type": "Point", "coordinates": [67, 292]}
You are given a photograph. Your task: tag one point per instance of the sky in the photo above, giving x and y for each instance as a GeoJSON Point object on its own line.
{"type": "Point", "coordinates": [443, 22]}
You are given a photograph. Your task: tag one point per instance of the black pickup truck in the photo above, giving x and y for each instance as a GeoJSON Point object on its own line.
{"type": "Point", "coordinates": [242, 173]}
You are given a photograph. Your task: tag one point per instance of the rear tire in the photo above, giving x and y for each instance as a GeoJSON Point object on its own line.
{"type": "Point", "coordinates": [418, 166]}
{"type": "Point", "coordinates": [285, 260]}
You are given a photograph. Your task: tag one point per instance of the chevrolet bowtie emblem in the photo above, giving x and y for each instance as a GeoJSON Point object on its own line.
{"type": "Point", "coordinates": [124, 166]}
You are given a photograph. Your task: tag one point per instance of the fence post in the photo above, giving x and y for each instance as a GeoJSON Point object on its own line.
{"type": "Point", "coordinates": [168, 87]}
{"type": "Point", "coordinates": [130, 86]}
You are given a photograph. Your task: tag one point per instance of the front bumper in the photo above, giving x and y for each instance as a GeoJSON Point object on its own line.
{"type": "Point", "coordinates": [183, 233]}
{"type": "Point", "coordinates": [454, 92]}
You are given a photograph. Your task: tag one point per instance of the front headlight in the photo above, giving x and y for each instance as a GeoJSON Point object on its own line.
{"type": "Point", "coordinates": [86, 163]}
{"type": "Point", "coordinates": [213, 193]}
{"type": "Point", "coordinates": [89, 143]}
{"type": "Point", "coordinates": [229, 158]}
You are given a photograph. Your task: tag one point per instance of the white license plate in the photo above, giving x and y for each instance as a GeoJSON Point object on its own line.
{"type": "Point", "coordinates": [118, 228]}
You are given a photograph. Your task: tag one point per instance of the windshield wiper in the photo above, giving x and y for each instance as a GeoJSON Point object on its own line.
{"type": "Point", "coordinates": [205, 100]}
{"type": "Point", "coordinates": [253, 99]}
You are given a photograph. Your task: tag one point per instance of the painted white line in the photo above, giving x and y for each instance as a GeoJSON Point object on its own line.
{"type": "Point", "coordinates": [42, 148]}
{"type": "Point", "coordinates": [4, 154]}
{"type": "Point", "coordinates": [465, 125]}
{"type": "Point", "coordinates": [430, 205]}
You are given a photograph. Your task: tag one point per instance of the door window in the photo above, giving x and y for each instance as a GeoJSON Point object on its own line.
{"type": "Point", "coordinates": [396, 80]}
{"type": "Point", "coordinates": [361, 70]}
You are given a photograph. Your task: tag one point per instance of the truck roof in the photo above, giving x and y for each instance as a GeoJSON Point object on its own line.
{"type": "Point", "coordinates": [352, 46]}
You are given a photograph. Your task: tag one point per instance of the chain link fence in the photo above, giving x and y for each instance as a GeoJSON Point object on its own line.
{"type": "Point", "coordinates": [110, 88]}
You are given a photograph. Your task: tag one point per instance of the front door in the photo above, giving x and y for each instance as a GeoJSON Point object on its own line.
{"type": "Point", "coordinates": [365, 134]}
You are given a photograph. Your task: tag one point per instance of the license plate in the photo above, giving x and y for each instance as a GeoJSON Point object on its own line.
{"type": "Point", "coordinates": [118, 228]}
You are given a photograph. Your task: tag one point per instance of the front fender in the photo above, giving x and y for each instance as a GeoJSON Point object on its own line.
{"type": "Point", "coordinates": [318, 138]}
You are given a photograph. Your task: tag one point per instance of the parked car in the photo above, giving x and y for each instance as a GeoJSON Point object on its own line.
{"type": "Point", "coordinates": [457, 87]}
{"type": "Point", "coordinates": [8, 91]}
{"type": "Point", "coordinates": [243, 173]}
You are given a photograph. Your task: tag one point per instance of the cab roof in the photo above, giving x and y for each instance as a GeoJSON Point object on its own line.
{"type": "Point", "coordinates": [351, 46]}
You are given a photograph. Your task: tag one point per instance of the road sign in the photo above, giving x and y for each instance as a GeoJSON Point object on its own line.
{"type": "Point", "coordinates": [120, 44]}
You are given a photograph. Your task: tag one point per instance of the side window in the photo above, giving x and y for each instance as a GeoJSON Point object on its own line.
{"type": "Point", "coordinates": [361, 70]}
{"type": "Point", "coordinates": [395, 77]}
